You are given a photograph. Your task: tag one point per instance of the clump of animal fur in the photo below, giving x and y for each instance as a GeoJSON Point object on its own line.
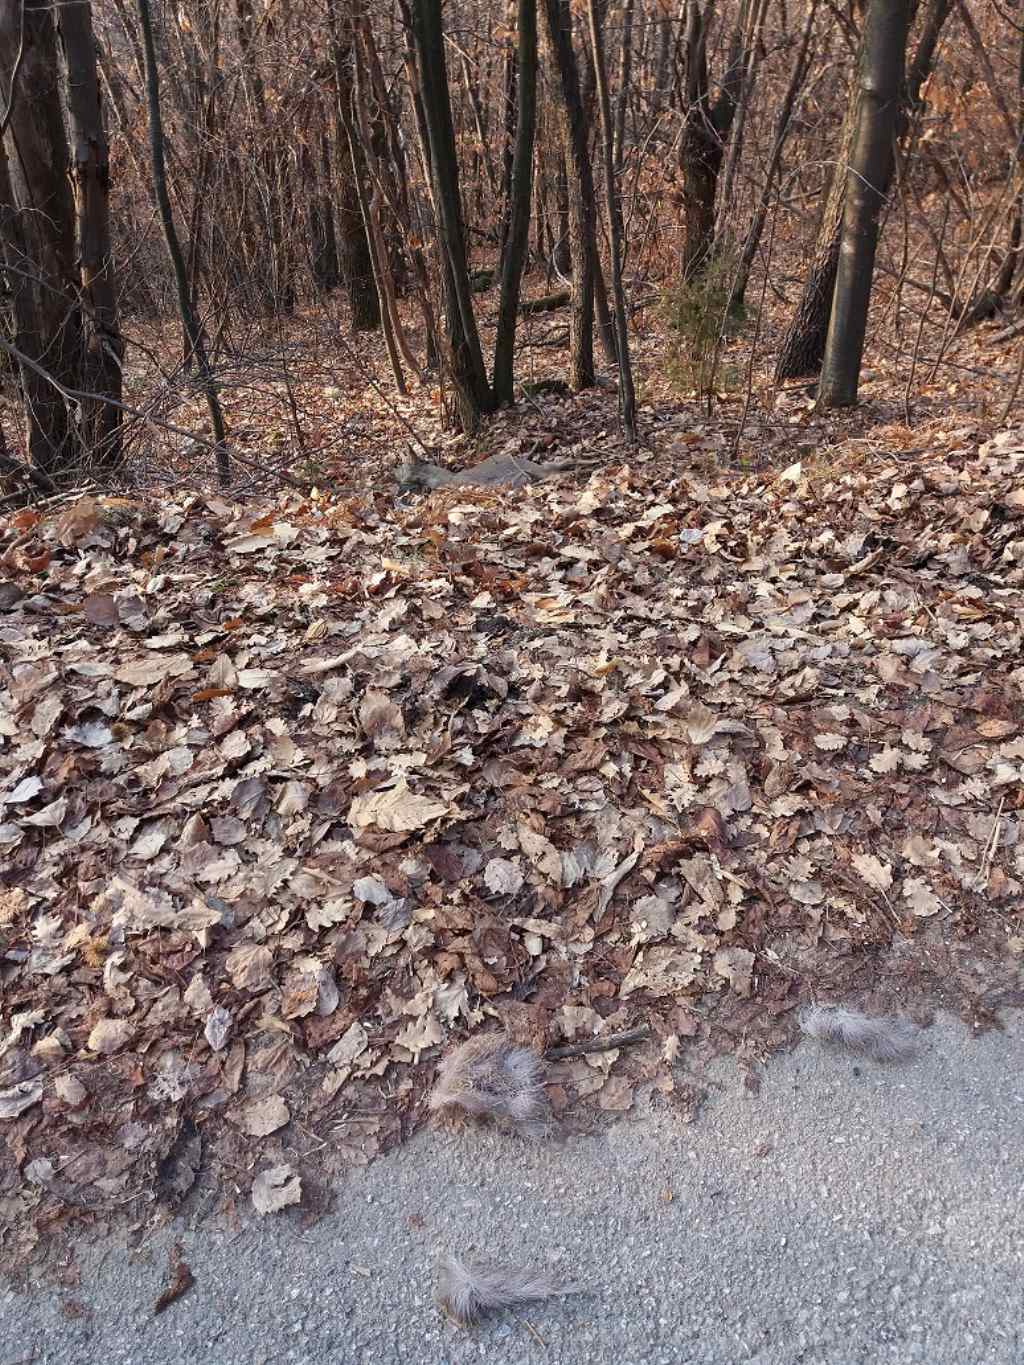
{"type": "Point", "coordinates": [490, 1077]}
{"type": "Point", "coordinates": [884, 1039]}
{"type": "Point", "coordinates": [468, 1291]}
{"type": "Point", "coordinates": [514, 471]}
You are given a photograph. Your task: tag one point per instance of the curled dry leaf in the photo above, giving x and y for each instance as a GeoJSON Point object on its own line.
{"type": "Point", "coordinates": [259, 1118]}
{"type": "Point", "coordinates": [275, 1188]}
{"type": "Point", "coordinates": [397, 809]}
{"type": "Point", "coordinates": [736, 966]}
{"type": "Point", "coordinates": [249, 966]}
{"type": "Point", "coordinates": [110, 1035]}
{"type": "Point", "coordinates": [218, 1028]}
{"type": "Point", "coordinates": [877, 874]}
{"type": "Point", "coordinates": [18, 1098]}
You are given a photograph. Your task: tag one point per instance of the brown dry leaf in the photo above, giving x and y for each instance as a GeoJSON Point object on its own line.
{"type": "Point", "coordinates": [504, 876]}
{"type": "Point", "coordinates": [179, 1279]}
{"type": "Point", "coordinates": [275, 1189]}
{"type": "Point", "coordinates": [396, 809]}
{"type": "Point", "coordinates": [249, 966]}
{"type": "Point", "coordinates": [661, 972]}
{"type": "Point", "coordinates": [17, 1098]}
{"type": "Point", "coordinates": [110, 1035]}
{"type": "Point", "coordinates": [218, 1028]}
{"type": "Point", "coordinates": [381, 719]}
{"type": "Point", "coordinates": [877, 874]}
{"type": "Point", "coordinates": [920, 897]}
{"type": "Point", "coordinates": [70, 1091]}
{"type": "Point", "coordinates": [617, 1095]}
{"type": "Point", "coordinates": [735, 965]}
{"type": "Point", "coordinates": [100, 609]}
{"type": "Point", "coordinates": [259, 1118]}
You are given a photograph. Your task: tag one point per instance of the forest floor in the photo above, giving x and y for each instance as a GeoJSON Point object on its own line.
{"type": "Point", "coordinates": [296, 786]}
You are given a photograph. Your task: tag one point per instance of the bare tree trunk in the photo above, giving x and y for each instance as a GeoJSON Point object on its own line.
{"type": "Point", "coordinates": [580, 192]}
{"type": "Point", "coordinates": [356, 260]}
{"type": "Point", "coordinates": [521, 193]}
{"type": "Point", "coordinates": [510, 124]}
{"type": "Point", "coordinates": [880, 79]}
{"type": "Point", "coordinates": [323, 244]}
{"type": "Point", "coordinates": [627, 396]}
{"type": "Point", "coordinates": [994, 297]}
{"type": "Point", "coordinates": [625, 71]}
{"type": "Point", "coordinates": [804, 342]}
{"type": "Point", "coordinates": [358, 129]}
{"type": "Point", "coordinates": [561, 258]}
{"type": "Point", "coordinates": [90, 177]}
{"type": "Point", "coordinates": [39, 235]}
{"type": "Point", "coordinates": [748, 61]}
{"type": "Point", "coordinates": [706, 128]}
{"type": "Point", "coordinates": [467, 364]}
{"type": "Point", "coordinates": [163, 199]}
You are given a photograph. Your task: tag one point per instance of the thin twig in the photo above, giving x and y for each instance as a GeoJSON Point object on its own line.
{"type": "Point", "coordinates": [991, 844]}
{"type": "Point", "coordinates": [605, 1044]}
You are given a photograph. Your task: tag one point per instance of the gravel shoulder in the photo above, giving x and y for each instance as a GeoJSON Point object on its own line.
{"type": "Point", "coordinates": [844, 1214]}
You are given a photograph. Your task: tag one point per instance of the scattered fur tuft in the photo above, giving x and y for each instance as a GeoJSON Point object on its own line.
{"type": "Point", "coordinates": [416, 475]}
{"type": "Point", "coordinates": [490, 1077]}
{"type": "Point", "coordinates": [886, 1039]}
{"type": "Point", "coordinates": [468, 1291]}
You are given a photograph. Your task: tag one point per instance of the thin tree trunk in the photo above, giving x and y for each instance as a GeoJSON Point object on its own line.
{"type": "Point", "coordinates": [580, 193]}
{"type": "Point", "coordinates": [356, 260]}
{"type": "Point", "coordinates": [748, 60]}
{"type": "Point", "coordinates": [706, 128]}
{"type": "Point", "coordinates": [511, 96]}
{"type": "Point", "coordinates": [625, 73]}
{"type": "Point", "coordinates": [627, 396]}
{"type": "Point", "coordinates": [358, 129]}
{"type": "Point", "coordinates": [880, 77]}
{"type": "Point", "coordinates": [467, 364]}
{"type": "Point", "coordinates": [39, 235]}
{"type": "Point", "coordinates": [323, 243]}
{"type": "Point", "coordinates": [473, 97]}
{"type": "Point", "coordinates": [804, 342]}
{"type": "Point", "coordinates": [514, 258]}
{"type": "Point", "coordinates": [90, 178]}
{"type": "Point", "coordinates": [163, 199]}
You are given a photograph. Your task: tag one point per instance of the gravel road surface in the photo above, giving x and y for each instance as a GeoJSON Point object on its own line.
{"type": "Point", "coordinates": [846, 1213]}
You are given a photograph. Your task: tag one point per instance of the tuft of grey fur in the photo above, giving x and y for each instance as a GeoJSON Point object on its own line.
{"type": "Point", "coordinates": [490, 1077]}
{"type": "Point", "coordinates": [468, 1291]}
{"type": "Point", "coordinates": [884, 1039]}
{"type": "Point", "coordinates": [416, 475]}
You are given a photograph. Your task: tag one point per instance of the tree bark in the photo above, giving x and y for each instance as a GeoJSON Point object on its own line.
{"type": "Point", "coordinates": [467, 365]}
{"type": "Point", "coordinates": [356, 260]}
{"type": "Point", "coordinates": [804, 342]}
{"type": "Point", "coordinates": [323, 244]}
{"type": "Point", "coordinates": [188, 318]}
{"type": "Point", "coordinates": [580, 193]}
{"type": "Point", "coordinates": [753, 238]}
{"type": "Point", "coordinates": [880, 78]}
{"type": "Point", "coordinates": [705, 132]}
{"type": "Point", "coordinates": [38, 216]}
{"type": "Point", "coordinates": [90, 178]}
{"type": "Point", "coordinates": [520, 197]}
{"type": "Point", "coordinates": [625, 71]}
{"type": "Point", "coordinates": [627, 395]}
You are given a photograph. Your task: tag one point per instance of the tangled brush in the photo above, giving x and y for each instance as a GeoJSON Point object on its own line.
{"type": "Point", "coordinates": [490, 1077]}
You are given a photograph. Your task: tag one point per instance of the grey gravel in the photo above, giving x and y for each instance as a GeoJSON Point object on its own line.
{"type": "Point", "coordinates": [844, 1214]}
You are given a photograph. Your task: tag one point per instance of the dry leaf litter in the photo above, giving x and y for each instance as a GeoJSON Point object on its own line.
{"type": "Point", "coordinates": [291, 800]}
